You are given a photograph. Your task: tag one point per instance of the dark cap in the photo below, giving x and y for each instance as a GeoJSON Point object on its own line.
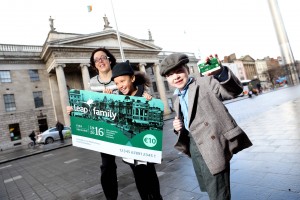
{"type": "Point", "coordinates": [172, 61]}
{"type": "Point", "coordinates": [121, 69]}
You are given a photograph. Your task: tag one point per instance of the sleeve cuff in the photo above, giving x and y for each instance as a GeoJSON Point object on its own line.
{"type": "Point", "coordinates": [223, 76]}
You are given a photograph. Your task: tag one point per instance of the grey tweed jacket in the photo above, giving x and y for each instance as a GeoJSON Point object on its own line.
{"type": "Point", "coordinates": [214, 130]}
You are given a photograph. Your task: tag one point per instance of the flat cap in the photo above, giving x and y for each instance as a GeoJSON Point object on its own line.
{"type": "Point", "coordinates": [172, 61]}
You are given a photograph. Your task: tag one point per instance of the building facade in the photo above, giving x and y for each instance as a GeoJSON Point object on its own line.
{"type": "Point", "coordinates": [35, 80]}
{"type": "Point", "coordinates": [249, 67]}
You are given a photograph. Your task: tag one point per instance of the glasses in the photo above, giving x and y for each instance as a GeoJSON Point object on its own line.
{"type": "Point", "coordinates": [102, 58]}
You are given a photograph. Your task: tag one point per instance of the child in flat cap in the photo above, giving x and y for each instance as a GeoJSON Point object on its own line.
{"type": "Point", "coordinates": [133, 84]}
{"type": "Point", "coordinates": [206, 131]}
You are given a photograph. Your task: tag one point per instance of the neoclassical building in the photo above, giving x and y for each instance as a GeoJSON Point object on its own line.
{"type": "Point", "coordinates": [34, 80]}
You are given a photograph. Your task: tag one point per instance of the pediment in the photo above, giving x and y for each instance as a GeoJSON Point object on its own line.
{"type": "Point", "coordinates": [106, 38]}
{"type": "Point", "coordinates": [247, 58]}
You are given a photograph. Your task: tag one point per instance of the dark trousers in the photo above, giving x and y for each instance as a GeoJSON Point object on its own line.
{"type": "Point", "coordinates": [33, 139]}
{"type": "Point", "coordinates": [61, 136]}
{"type": "Point", "coordinates": [146, 181]}
{"type": "Point", "coordinates": [217, 186]}
{"type": "Point", "coordinates": [109, 179]}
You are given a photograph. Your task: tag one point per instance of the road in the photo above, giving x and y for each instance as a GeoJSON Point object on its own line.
{"type": "Point", "coordinates": [252, 107]}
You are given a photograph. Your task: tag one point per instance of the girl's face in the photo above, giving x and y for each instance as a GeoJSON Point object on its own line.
{"type": "Point", "coordinates": [125, 84]}
{"type": "Point", "coordinates": [178, 77]}
{"type": "Point", "coordinates": [102, 62]}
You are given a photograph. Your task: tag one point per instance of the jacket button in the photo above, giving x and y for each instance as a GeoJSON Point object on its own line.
{"type": "Point", "coordinates": [206, 123]}
{"type": "Point", "coordinates": [213, 137]}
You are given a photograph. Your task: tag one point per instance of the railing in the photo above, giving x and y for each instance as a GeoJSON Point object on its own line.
{"type": "Point", "coordinates": [20, 48]}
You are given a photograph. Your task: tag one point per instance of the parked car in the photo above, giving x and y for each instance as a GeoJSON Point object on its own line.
{"type": "Point", "coordinates": [50, 135]}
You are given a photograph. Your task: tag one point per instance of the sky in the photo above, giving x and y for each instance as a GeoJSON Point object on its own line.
{"type": "Point", "coordinates": [203, 27]}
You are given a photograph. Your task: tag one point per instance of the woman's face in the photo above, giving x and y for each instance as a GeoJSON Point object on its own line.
{"type": "Point", "coordinates": [102, 62]}
{"type": "Point", "coordinates": [125, 84]}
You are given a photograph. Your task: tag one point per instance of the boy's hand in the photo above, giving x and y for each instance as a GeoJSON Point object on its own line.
{"type": "Point", "coordinates": [217, 71]}
{"type": "Point", "coordinates": [147, 96]}
{"type": "Point", "coordinates": [69, 109]}
{"type": "Point", "coordinates": [177, 124]}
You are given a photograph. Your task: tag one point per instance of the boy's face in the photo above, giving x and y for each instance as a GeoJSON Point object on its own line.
{"type": "Point", "coordinates": [178, 77]}
{"type": "Point", "coordinates": [125, 84]}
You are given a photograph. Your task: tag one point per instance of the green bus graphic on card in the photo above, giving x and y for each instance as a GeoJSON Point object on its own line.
{"type": "Point", "coordinates": [210, 65]}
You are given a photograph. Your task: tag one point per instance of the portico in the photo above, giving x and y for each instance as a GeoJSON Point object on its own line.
{"type": "Point", "coordinates": [67, 63]}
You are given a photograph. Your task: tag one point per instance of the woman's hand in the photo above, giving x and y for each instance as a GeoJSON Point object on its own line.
{"type": "Point", "coordinates": [107, 91]}
{"type": "Point", "coordinates": [69, 109]}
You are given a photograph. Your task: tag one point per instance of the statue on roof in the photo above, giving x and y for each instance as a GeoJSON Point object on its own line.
{"type": "Point", "coordinates": [150, 35]}
{"type": "Point", "coordinates": [106, 23]}
{"type": "Point", "coordinates": [51, 24]}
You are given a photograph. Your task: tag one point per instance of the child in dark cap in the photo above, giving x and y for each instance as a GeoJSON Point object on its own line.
{"type": "Point", "coordinates": [133, 84]}
{"type": "Point", "coordinates": [206, 131]}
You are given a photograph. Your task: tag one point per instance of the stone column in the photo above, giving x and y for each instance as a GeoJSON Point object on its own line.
{"type": "Point", "coordinates": [63, 92]}
{"type": "Point", "coordinates": [54, 91]}
{"type": "Point", "coordinates": [161, 88]}
{"type": "Point", "coordinates": [85, 76]}
{"type": "Point", "coordinates": [142, 67]}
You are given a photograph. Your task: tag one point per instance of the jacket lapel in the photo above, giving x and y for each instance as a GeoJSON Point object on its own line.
{"type": "Point", "coordinates": [191, 97]}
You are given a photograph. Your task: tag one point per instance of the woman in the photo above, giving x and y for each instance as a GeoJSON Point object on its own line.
{"type": "Point", "coordinates": [102, 61]}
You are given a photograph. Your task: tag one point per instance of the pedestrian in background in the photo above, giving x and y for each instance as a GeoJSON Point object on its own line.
{"type": "Point", "coordinates": [32, 137]}
{"type": "Point", "coordinates": [206, 131]}
{"type": "Point", "coordinates": [60, 128]}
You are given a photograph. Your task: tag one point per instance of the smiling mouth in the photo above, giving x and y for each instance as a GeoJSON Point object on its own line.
{"type": "Point", "coordinates": [178, 82]}
{"type": "Point", "coordinates": [123, 90]}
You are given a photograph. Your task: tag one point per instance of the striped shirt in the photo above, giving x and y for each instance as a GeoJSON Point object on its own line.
{"type": "Point", "coordinates": [96, 85]}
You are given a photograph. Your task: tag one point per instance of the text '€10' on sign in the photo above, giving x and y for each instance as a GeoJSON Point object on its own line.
{"type": "Point", "coordinates": [150, 140]}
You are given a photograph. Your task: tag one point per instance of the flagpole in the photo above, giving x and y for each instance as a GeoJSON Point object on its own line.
{"type": "Point", "coordinates": [118, 35]}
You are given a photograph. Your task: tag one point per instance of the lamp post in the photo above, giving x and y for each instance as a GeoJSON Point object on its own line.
{"type": "Point", "coordinates": [286, 51]}
{"type": "Point", "coordinates": [118, 35]}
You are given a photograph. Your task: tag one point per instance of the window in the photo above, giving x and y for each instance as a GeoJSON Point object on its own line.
{"type": "Point", "coordinates": [152, 72]}
{"type": "Point", "coordinates": [38, 99]}
{"type": "Point", "coordinates": [166, 85]}
{"type": "Point", "coordinates": [154, 86]}
{"type": "Point", "coordinates": [5, 76]}
{"type": "Point", "coordinates": [9, 101]}
{"type": "Point", "coordinates": [149, 70]}
{"type": "Point", "coordinates": [34, 75]}
{"type": "Point", "coordinates": [14, 131]}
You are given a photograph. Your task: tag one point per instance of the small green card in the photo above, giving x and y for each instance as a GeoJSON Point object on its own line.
{"type": "Point", "coordinates": [125, 126]}
{"type": "Point", "coordinates": [211, 66]}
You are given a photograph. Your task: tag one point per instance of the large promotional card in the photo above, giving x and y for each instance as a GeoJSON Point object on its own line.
{"type": "Point", "coordinates": [125, 126]}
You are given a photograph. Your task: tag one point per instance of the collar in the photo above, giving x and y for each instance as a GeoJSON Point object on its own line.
{"type": "Point", "coordinates": [102, 83]}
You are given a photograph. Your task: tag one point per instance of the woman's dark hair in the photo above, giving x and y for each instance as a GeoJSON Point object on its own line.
{"type": "Point", "coordinates": [141, 79]}
{"type": "Point", "coordinates": [112, 59]}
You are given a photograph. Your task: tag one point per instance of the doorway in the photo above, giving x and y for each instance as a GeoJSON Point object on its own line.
{"type": "Point", "coordinates": [43, 125]}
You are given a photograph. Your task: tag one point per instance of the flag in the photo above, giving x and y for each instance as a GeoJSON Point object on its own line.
{"type": "Point", "coordinates": [90, 8]}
